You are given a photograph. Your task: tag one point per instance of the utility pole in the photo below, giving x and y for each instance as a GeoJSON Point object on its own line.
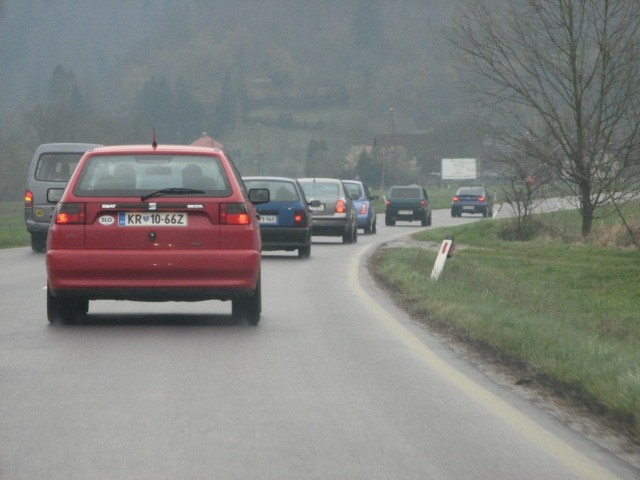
{"type": "Point", "coordinates": [391, 135]}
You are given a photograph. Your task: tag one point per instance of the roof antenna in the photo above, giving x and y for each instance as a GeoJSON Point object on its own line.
{"type": "Point", "coordinates": [154, 144]}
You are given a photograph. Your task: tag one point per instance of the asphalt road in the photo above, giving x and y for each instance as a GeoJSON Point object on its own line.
{"type": "Point", "coordinates": [335, 383]}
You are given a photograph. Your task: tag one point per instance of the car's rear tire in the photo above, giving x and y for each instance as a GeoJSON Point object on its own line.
{"type": "Point", "coordinates": [374, 225]}
{"type": "Point", "coordinates": [423, 220]}
{"type": "Point", "coordinates": [64, 310]}
{"type": "Point", "coordinates": [351, 236]}
{"type": "Point", "coordinates": [389, 222]}
{"type": "Point", "coordinates": [305, 252]}
{"type": "Point", "coordinates": [39, 242]}
{"type": "Point", "coordinates": [248, 309]}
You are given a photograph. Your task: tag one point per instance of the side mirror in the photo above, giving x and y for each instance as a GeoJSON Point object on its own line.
{"type": "Point", "coordinates": [54, 195]}
{"type": "Point", "coordinates": [259, 195]}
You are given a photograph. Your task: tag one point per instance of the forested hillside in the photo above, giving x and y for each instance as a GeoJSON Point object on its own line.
{"type": "Point", "coordinates": [283, 84]}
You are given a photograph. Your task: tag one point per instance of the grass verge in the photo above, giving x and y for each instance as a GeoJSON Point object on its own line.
{"type": "Point", "coordinates": [565, 315]}
{"type": "Point", "coordinates": [13, 232]}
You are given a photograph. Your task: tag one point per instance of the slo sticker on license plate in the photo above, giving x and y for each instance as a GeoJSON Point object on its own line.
{"type": "Point", "coordinates": [405, 212]}
{"type": "Point", "coordinates": [268, 219]}
{"type": "Point", "coordinates": [156, 219]}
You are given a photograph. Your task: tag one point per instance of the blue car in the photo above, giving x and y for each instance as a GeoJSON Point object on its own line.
{"type": "Point", "coordinates": [363, 200]}
{"type": "Point", "coordinates": [285, 221]}
{"type": "Point", "coordinates": [472, 200]}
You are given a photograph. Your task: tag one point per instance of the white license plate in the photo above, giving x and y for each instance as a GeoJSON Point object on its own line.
{"type": "Point", "coordinates": [268, 219]}
{"type": "Point", "coordinates": [152, 219]}
{"type": "Point", "coordinates": [405, 212]}
{"type": "Point", "coordinates": [319, 208]}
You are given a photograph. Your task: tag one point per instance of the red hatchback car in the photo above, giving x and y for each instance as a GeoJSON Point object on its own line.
{"type": "Point", "coordinates": [154, 223]}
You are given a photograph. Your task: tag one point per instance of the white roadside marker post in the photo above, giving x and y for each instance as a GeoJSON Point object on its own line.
{"type": "Point", "coordinates": [446, 251]}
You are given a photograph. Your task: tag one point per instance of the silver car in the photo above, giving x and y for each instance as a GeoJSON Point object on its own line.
{"type": "Point", "coordinates": [336, 215]}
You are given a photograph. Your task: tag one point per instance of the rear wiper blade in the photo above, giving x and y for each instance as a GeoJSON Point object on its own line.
{"type": "Point", "coordinates": [170, 191]}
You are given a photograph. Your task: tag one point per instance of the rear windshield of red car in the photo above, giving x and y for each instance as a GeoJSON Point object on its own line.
{"type": "Point", "coordinates": [136, 175]}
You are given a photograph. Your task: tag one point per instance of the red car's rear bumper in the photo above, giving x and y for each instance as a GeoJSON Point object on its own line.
{"type": "Point", "coordinates": [140, 275]}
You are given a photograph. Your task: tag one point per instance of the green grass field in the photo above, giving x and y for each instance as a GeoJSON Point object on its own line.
{"type": "Point", "coordinates": [565, 314]}
{"type": "Point", "coordinates": [13, 232]}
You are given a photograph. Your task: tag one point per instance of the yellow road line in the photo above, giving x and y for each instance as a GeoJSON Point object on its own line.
{"type": "Point", "coordinates": [557, 448]}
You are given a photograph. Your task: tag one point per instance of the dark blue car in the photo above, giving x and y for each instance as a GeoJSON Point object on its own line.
{"type": "Point", "coordinates": [364, 204]}
{"type": "Point", "coordinates": [472, 200]}
{"type": "Point", "coordinates": [285, 221]}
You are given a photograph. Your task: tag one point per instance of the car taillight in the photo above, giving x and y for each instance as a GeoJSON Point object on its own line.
{"type": "Point", "coordinates": [456, 198]}
{"type": "Point", "coordinates": [299, 218]}
{"type": "Point", "coordinates": [340, 206]}
{"type": "Point", "coordinates": [70, 214]}
{"type": "Point", "coordinates": [363, 208]}
{"type": "Point", "coordinates": [234, 214]}
{"type": "Point", "coordinates": [28, 198]}
{"type": "Point", "coordinates": [423, 203]}
{"type": "Point", "coordinates": [481, 199]}
{"type": "Point", "coordinates": [387, 203]}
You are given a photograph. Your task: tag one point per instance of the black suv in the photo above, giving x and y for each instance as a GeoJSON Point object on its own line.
{"type": "Point", "coordinates": [407, 203]}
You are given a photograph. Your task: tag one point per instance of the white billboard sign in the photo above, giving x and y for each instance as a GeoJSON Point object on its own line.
{"type": "Point", "coordinates": [458, 168]}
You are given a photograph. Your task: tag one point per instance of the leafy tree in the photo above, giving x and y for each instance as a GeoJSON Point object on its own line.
{"type": "Point", "coordinates": [172, 111]}
{"type": "Point", "coordinates": [318, 161]}
{"type": "Point", "coordinates": [369, 168]}
{"type": "Point", "coordinates": [63, 116]}
{"type": "Point", "coordinates": [366, 25]}
{"type": "Point", "coordinates": [15, 157]}
{"type": "Point", "coordinates": [560, 82]}
{"type": "Point", "coordinates": [64, 89]}
{"type": "Point", "coordinates": [231, 105]}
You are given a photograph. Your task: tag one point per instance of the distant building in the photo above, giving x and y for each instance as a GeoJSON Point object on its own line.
{"type": "Point", "coordinates": [206, 141]}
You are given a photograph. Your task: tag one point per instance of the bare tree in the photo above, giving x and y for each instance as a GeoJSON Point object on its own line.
{"type": "Point", "coordinates": [526, 178]}
{"type": "Point", "coordinates": [560, 79]}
